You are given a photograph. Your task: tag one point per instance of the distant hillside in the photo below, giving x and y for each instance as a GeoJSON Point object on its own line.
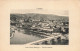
{"type": "Point", "coordinates": [39, 16]}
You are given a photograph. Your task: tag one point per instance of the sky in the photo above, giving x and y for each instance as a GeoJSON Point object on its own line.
{"type": "Point", "coordinates": [42, 11]}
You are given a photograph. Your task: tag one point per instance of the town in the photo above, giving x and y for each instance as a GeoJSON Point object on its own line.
{"type": "Point", "coordinates": [41, 25]}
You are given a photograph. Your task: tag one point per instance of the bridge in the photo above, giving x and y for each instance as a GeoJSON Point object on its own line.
{"type": "Point", "coordinates": [51, 41]}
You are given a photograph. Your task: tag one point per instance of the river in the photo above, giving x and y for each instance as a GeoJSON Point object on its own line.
{"type": "Point", "coordinates": [21, 38]}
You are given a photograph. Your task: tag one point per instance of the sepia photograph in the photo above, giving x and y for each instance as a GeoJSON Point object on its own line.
{"type": "Point", "coordinates": [39, 27]}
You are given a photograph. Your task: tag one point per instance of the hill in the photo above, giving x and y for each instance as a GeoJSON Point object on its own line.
{"type": "Point", "coordinates": [37, 16]}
